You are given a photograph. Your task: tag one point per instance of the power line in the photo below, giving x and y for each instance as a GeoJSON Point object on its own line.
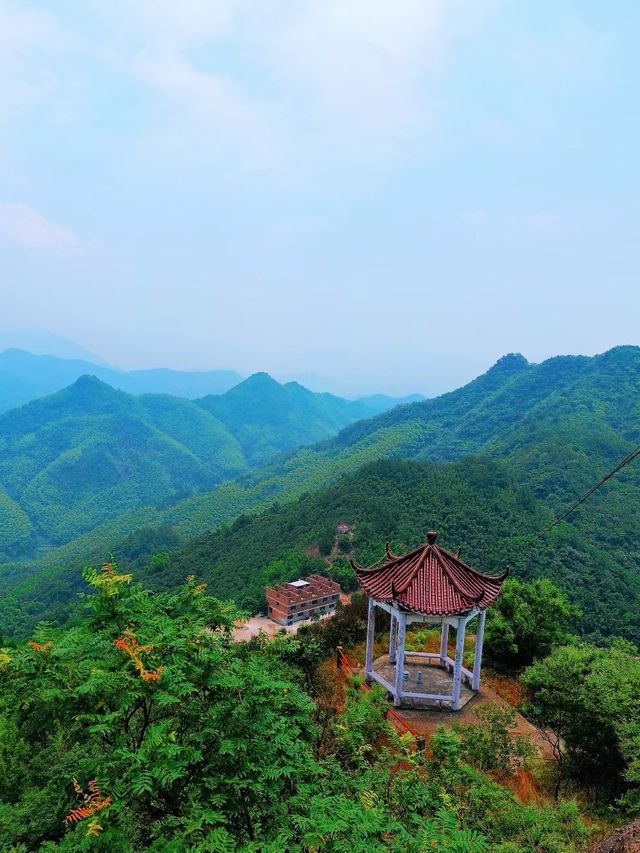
{"type": "Point", "coordinates": [627, 459]}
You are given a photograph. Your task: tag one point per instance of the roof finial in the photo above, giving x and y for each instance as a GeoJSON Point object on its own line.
{"type": "Point", "coordinates": [432, 535]}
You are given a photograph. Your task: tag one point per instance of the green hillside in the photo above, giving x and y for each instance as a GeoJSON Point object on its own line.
{"type": "Point", "coordinates": [554, 427]}
{"type": "Point", "coordinates": [476, 503]}
{"type": "Point", "coordinates": [561, 422]}
{"type": "Point", "coordinates": [89, 453]}
{"type": "Point", "coordinates": [267, 417]}
{"type": "Point", "coordinates": [85, 455]}
{"type": "Point", "coordinates": [16, 531]}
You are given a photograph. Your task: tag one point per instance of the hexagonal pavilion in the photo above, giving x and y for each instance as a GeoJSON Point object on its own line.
{"type": "Point", "coordinates": [431, 586]}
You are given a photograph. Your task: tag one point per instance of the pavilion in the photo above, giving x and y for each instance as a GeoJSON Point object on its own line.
{"type": "Point", "coordinates": [431, 586]}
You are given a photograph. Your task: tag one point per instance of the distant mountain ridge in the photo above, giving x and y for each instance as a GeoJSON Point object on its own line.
{"type": "Point", "coordinates": [75, 459]}
{"type": "Point", "coordinates": [268, 418]}
{"type": "Point", "coordinates": [25, 377]}
{"type": "Point", "coordinates": [557, 426]}
{"type": "Point", "coordinates": [41, 342]}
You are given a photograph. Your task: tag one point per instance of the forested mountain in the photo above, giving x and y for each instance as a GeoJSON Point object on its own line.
{"type": "Point", "coordinates": [267, 417]}
{"type": "Point", "coordinates": [25, 377]}
{"type": "Point", "coordinates": [554, 428]}
{"type": "Point", "coordinates": [88, 453]}
{"type": "Point", "coordinates": [377, 403]}
{"type": "Point", "coordinates": [560, 422]}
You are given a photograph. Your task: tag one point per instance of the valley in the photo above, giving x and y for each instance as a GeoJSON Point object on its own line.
{"type": "Point", "coordinates": [501, 456]}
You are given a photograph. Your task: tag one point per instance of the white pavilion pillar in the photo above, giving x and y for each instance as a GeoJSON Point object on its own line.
{"type": "Point", "coordinates": [392, 640]}
{"type": "Point", "coordinates": [371, 627]}
{"type": "Point", "coordinates": [477, 661]}
{"type": "Point", "coordinates": [402, 627]}
{"type": "Point", "coordinates": [457, 669]}
{"type": "Point", "coordinates": [444, 643]}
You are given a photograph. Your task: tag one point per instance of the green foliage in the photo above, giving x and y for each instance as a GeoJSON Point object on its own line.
{"type": "Point", "coordinates": [587, 701]}
{"type": "Point", "coordinates": [89, 453]}
{"type": "Point", "coordinates": [493, 745]}
{"type": "Point", "coordinates": [491, 810]}
{"type": "Point", "coordinates": [341, 571]}
{"type": "Point", "coordinates": [145, 727]}
{"type": "Point", "coordinates": [346, 628]}
{"type": "Point", "coordinates": [546, 433]}
{"type": "Point", "coordinates": [150, 697]}
{"type": "Point", "coordinates": [527, 621]}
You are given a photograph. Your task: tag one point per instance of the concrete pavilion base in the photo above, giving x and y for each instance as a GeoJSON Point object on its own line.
{"type": "Point", "coordinates": [436, 679]}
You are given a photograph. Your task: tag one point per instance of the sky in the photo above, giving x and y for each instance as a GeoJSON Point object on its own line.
{"type": "Point", "coordinates": [366, 195]}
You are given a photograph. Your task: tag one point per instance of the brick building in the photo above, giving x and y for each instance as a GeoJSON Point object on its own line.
{"type": "Point", "coordinates": [298, 600]}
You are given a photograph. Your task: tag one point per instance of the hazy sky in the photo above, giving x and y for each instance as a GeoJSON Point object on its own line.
{"type": "Point", "coordinates": [387, 193]}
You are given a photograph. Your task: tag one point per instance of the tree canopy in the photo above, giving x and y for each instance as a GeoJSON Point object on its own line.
{"type": "Point", "coordinates": [143, 726]}
{"type": "Point", "coordinates": [587, 701]}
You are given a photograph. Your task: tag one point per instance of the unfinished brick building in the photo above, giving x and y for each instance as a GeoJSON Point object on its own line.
{"type": "Point", "coordinates": [302, 599]}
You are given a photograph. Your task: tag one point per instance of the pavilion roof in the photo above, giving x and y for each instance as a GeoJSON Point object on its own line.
{"type": "Point", "coordinates": [429, 580]}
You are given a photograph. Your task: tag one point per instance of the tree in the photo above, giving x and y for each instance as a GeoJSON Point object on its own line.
{"type": "Point", "coordinates": [144, 727]}
{"type": "Point", "coordinates": [526, 622]}
{"type": "Point", "coordinates": [494, 745]}
{"type": "Point", "coordinates": [149, 697]}
{"type": "Point", "coordinates": [586, 701]}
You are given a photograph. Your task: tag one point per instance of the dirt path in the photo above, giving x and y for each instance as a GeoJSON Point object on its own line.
{"type": "Point", "coordinates": [255, 625]}
{"type": "Point", "coordinates": [426, 721]}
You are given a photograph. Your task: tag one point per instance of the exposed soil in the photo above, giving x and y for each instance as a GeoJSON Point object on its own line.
{"type": "Point", "coordinates": [624, 840]}
{"type": "Point", "coordinates": [255, 625]}
{"type": "Point", "coordinates": [426, 721]}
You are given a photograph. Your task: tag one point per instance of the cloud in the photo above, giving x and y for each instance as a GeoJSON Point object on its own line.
{"type": "Point", "coordinates": [564, 57]}
{"type": "Point", "coordinates": [285, 79]}
{"type": "Point", "coordinates": [30, 42]}
{"type": "Point", "coordinates": [210, 110]}
{"type": "Point", "coordinates": [160, 22]}
{"type": "Point", "coordinates": [25, 228]}
{"type": "Point", "coordinates": [268, 83]}
{"type": "Point", "coordinates": [358, 64]}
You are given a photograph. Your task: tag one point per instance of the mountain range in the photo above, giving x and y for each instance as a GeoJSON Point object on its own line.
{"type": "Point", "coordinates": [72, 460]}
{"type": "Point", "coordinates": [25, 377]}
{"type": "Point", "coordinates": [504, 454]}
{"type": "Point", "coordinates": [43, 342]}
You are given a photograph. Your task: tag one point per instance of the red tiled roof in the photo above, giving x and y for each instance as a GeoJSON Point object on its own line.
{"type": "Point", "coordinates": [315, 585]}
{"type": "Point", "coordinates": [429, 580]}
